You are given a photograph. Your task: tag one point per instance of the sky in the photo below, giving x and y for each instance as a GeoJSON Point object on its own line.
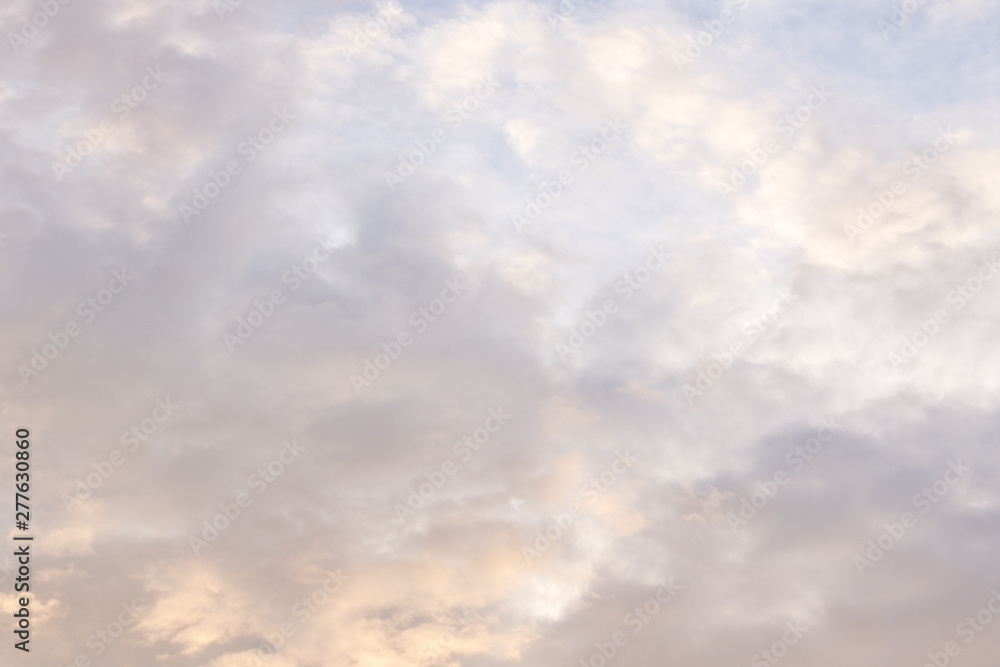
{"type": "Point", "coordinates": [447, 334]}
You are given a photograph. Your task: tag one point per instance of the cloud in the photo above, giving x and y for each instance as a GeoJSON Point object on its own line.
{"type": "Point", "coordinates": [535, 154]}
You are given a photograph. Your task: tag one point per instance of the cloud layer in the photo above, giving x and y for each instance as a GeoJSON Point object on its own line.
{"type": "Point", "coordinates": [483, 334]}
